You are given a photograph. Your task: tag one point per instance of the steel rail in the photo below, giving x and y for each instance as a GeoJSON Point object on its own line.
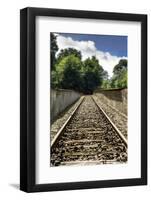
{"type": "Point", "coordinates": [58, 134]}
{"type": "Point", "coordinates": [113, 125]}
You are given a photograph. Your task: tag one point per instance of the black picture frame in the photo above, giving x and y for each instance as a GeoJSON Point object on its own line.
{"type": "Point", "coordinates": [28, 98]}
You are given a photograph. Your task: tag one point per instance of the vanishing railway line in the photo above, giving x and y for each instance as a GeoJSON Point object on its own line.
{"type": "Point", "coordinates": [88, 137]}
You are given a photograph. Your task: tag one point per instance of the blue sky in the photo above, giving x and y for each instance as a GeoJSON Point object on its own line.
{"type": "Point", "coordinates": [108, 49]}
{"type": "Point", "coordinates": [116, 45]}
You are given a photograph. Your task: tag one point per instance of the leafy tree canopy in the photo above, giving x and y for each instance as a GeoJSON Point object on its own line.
{"type": "Point", "coordinates": [119, 78]}
{"type": "Point", "coordinates": [54, 49]}
{"type": "Point", "coordinates": [92, 74]}
{"type": "Point", "coordinates": [67, 52]}
{"type": "Point", "coordinates": [68, 72]}
{"type": "Point", "coordinates": [105, 75]}
{"type": "Point", "coordinates": [122, 65]}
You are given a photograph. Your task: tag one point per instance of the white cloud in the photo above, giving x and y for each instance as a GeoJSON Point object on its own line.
{"type": "Point", "coordinates": [88, 49]}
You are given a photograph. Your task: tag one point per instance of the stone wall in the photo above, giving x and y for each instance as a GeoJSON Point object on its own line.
{"type": "Point", "coordinates": [60, 100]}
{"type": "Point", "coordinates": [117, 98]}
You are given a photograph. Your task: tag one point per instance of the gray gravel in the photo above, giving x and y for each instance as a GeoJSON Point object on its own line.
{"type": "Point", "coordinates": [58, 123]}
{"type": "Point", "coordinates": [116, 116]}
{"type": "Point", "coordinates": [89, 138]}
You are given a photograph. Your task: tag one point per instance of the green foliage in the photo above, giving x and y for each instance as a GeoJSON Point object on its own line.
{"type": "Point", "coordinates": [54, 49]}
{"type": "Point", "coordinates": [92, 74]}
{"type": "Point", "coordinates": [106, 84]}
{"type": "Point", "coordinates": [54, 79]}
{"type": "Point", "coordinates": [122, 65]}
{"type": "Point", "coordinates": [71, 73]}
{"type": "Point", "coordinates": [105, 75]}
{"type": "Point", "coordinates": [68, 73]}
{"type": "Point", "coordinates": [119, 79]}
{"type": "Point", "coordinates": [67, 52]}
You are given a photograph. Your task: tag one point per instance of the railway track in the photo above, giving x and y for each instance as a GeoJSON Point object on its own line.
{"type": "Point", "coordinates": [88, 137]}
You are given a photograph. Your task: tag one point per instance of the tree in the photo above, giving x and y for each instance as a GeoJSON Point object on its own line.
{"type": "Point", "coordinates": [67, 52]}
{"type": "Point", "coordinates": [120, 66]}
{"type": "Point", "coordinates": [68, 73]}
{"type": "Point", "coordinates": [54, 49]}
{"type": "Point", "coordinates": [105, 75]}
{"type": "Point", "coordinates": [92, 74]}
{"type": "Point", "coordinates": [106, 84]}
{"type": "Point", "coordinates": [119, 78]}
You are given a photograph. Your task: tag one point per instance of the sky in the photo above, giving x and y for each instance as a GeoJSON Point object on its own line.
{"type": "Point", "coordinates": [108, 49]}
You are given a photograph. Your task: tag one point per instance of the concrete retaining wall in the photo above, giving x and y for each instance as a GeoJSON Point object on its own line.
{"type": "Point", "coordinates": [117, 98]}
{"type": "Point", "coordinates": [60, 100]}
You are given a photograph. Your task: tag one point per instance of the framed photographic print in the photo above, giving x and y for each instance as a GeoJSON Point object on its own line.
{"type": "Point", "coordinates": [83, 99]}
